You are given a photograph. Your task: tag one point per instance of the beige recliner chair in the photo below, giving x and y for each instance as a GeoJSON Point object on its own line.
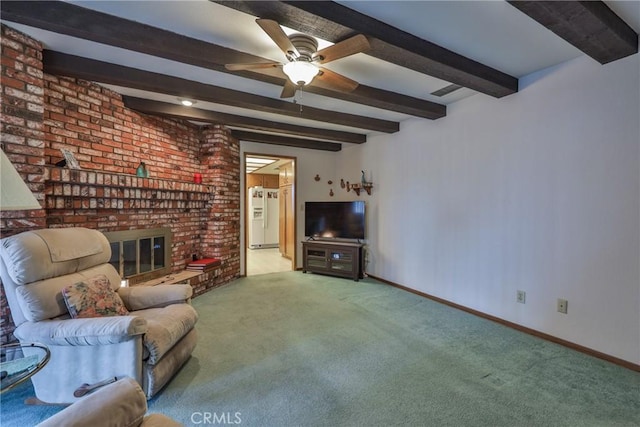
{"type": "Point", "coordinates": [149, 344]}
{"type": "Point", "coordinates": [118, 404]}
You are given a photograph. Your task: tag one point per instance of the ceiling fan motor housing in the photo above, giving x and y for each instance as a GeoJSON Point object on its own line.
{"type": "Point", "coordinates": [305, 44]}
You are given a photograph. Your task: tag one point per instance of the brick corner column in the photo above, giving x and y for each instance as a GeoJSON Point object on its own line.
{"type": "Point", "coordinates": [220, 158]}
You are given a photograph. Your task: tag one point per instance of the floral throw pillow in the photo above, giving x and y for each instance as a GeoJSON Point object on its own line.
{"type": "Point", "coordinates": [93, 298]}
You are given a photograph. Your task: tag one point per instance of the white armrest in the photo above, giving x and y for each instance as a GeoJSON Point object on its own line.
{"type": "Point", "coordinates": [141, 297]}
{"type": "Point", "coordinates": [88, 331]}
{"type": "Point", "coordinates": [121, 403]}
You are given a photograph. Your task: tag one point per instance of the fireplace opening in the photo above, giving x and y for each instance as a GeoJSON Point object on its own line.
{"type": "Point", "coordinates": [141, 255]}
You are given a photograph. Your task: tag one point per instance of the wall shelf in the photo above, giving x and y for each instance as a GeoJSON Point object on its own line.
{"type": "Point", "coordinates": [366, 187]}
{"type": "Point", "coordinates": [77, 189]}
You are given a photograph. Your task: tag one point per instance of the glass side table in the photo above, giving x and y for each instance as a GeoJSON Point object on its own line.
{"type": "Point", "coordinates": [19, 362]}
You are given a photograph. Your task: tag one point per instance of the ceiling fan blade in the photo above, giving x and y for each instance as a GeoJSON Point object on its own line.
{"type": "Point", "coordinates": [251, 66]}
{"type": "Point", "coordinates": [289, 90]}
{"type": "Point", "coordinates": [279, 37]}
{"type": "Point", "coordinates": [334, 81]}
{"type": "Point", "coordinates": [350, 46]}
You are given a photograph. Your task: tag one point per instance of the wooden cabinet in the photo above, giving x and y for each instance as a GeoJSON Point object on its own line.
{"type": "Point", "coordinates": [262, 180]}
{"type": "Point", "coordinates": [287, 222]}
{"type": "Point", "coordinates": [287, 225]}
{"type": "Point", "coordinates": [286, 174]}
{"type": "Point", "coordinates": [335, 259]}
{"type": "Point", "coordinates": [270, 181]}
{"type": "Point", "coordinates": [254, 180]}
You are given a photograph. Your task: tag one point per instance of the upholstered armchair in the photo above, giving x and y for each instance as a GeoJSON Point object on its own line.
{"type": "Point", "coordinates": [51, 278]}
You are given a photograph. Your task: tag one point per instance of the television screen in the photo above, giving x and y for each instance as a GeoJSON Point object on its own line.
{"type": "Point", "coordinates": [334, 220]}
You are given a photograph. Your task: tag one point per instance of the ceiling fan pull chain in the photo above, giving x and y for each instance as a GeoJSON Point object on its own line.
{"type": "Point", "coordinates": [301, 89]}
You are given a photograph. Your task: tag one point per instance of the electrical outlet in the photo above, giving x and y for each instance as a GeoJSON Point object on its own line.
{"type": "Point", "coordinates": [521, 297]}
{"type": "Point", "coordinates": [562, 305]}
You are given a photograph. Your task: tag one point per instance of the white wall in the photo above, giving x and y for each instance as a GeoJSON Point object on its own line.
{"type": "Point", "coordinates": [538, 191]}
{"type": "Point", "coordinates": [308, 164]}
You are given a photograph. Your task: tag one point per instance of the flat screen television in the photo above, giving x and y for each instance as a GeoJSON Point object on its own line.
{"type": "Point", "coordinates": [334, 220]}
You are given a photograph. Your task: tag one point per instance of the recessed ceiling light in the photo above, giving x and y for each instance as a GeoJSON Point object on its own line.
{"type": "Point", "coordinates": [186, 102]}
{"type": "Point", "coordinates": [259, 160]}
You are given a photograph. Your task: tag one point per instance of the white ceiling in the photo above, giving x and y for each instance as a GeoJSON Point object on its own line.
{"type": "Point", "coordinates": [270, 169]}
{"type": "Point", "coordinates": [491, 32]}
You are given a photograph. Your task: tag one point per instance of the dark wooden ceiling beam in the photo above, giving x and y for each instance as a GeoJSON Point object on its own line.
{"type": "Point", "coordinates": [92, 70]}
{"type": "Point", "coordinates": [190, 113]}
{"type": "Point", "coordinates": [76, 21]}
{"type": "Point", "coordinates": [588, 25]}
{"type": "Point", "coordinates": [386, 100]}
{"type": "Point", "coordinates": [285, 140]}
{"type": "Point", "coordinates": [334, 22]}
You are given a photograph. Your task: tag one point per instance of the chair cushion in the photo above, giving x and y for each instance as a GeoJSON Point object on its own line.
{"type": "Point", "coordinates": [43, 254]}
{"type": "Point", "coordinates": [43, 300]}
{"type": "Point", "coordinates": [166, 326]}
{"type": "Point", "coordinates": [93, 298]}
{"type": "Point", "coordinates": [63, 244]}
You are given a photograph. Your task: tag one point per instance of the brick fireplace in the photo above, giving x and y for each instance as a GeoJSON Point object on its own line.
{"type": "Point", "coordinates": [43, 113]}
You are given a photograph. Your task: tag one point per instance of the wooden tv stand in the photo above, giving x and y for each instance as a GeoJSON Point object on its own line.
{"type": "Point", "coordinates": [340, 259]}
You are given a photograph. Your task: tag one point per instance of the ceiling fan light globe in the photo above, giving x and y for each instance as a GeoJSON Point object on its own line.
{"type": "Point", "coordinates": [300, 72]}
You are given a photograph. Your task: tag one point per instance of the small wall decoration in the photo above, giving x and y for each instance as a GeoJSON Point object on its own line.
{"type": "Point", "coordinates": [142, 170]}
{"type": "Point", "coordinates": [348, 187]}
{"type": "Point", "coordinates": [342, 184]}
{"type": "Point", "coordinates": [317, 177]}
{"type": "Point", "coordinates": [331, 192]}
{"type": "Point", "coordinates": [329, 182]}
{"type": "Point", "coordinates": [72, 162]}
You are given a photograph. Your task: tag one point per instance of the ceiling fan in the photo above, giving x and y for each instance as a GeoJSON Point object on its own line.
{"type": "Point", "coordinates": [303, 58]}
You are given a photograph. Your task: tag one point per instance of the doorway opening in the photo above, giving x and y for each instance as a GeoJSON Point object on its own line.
{"type": "Point", "coordinates": [270, 222]}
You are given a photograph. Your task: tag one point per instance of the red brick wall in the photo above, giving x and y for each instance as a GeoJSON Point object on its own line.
{"type": "Point", "coordinates": [43, 113]}
{"type": "Point", "coordinates": [93, 123]}
{"type": "Point", "coordinates": [21, 134]}
{"type": "Point", "coordinates": [21, 127]}
{"type": "Point", "coordinates": [103, 135]}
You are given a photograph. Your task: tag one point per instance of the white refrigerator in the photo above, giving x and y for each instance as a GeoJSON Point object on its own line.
{"type": "Point", "coordinates": [263, 218]}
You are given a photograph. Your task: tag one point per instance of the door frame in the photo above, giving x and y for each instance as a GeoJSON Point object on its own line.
{"type": "Point", "coordinates": [245, 244]}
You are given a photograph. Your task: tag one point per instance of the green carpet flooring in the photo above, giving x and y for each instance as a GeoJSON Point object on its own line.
{"type": "Point", "coordinates": [294, 349]}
